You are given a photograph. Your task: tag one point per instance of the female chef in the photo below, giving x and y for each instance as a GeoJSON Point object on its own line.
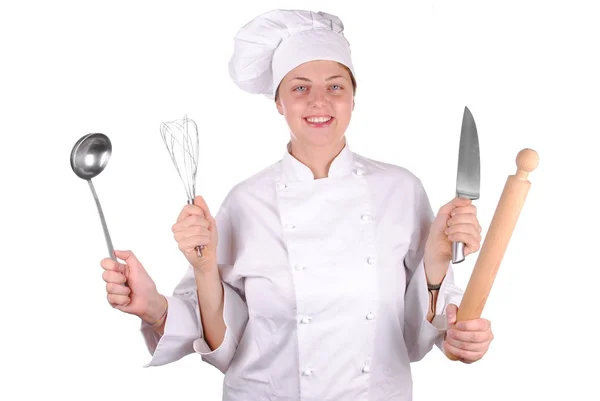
{"type": "Point", "coordinates": [325, 274]}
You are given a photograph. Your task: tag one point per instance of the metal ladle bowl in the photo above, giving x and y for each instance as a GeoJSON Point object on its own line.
{"type": "Point", "coordinates": [89, 157]}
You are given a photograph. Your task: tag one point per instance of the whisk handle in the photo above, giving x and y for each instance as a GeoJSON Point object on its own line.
{"type": "Point", "coordinates": [198, 248]}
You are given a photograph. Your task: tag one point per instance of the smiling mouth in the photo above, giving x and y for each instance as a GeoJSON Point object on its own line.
{"type": "Point", "coordinates": [319, 121]}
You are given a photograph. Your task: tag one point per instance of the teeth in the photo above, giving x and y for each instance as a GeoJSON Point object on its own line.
{"type": "Point", "coordinates": [318, 120]}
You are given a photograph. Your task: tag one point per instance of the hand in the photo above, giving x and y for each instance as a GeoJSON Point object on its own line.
{"type": "Point", "coordinates": [195, 226]}
{"type": "Point", "coordinates": [468, 340]}
{"type": "Point", "coordinates": [140, 297]}
{"type": "Point", "coordinates": [456, 221]}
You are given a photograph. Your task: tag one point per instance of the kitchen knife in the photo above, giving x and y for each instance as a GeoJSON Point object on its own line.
{"type": "Point", "coordinates": [468, 174]}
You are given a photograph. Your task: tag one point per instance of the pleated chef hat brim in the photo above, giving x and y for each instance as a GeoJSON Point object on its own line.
{"type": "Point", "coordinates": [276, 42]}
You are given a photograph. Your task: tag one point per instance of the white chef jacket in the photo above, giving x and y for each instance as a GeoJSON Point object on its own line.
{"type": "Point", "coordinates": [325, 296]}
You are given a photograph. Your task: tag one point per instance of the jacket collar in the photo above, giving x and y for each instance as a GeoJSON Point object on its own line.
{"type": "Point", "coordinates": [294, 170]}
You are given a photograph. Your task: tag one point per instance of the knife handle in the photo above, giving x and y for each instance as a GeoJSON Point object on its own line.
{"type": "Point", "coordinates": [458, 252]}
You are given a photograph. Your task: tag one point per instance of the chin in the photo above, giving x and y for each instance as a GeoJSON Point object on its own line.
{"type": "Point", "coordinates": [318, 138]}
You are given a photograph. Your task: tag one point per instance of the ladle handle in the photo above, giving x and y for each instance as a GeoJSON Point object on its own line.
{"type": "Point", "coordinates": [111, 250]}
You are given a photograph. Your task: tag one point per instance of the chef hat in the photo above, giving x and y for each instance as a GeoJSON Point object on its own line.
{"type": "Point", "coordinates": [276, 42]}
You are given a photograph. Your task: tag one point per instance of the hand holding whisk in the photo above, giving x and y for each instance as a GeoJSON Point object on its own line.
{"type": "Point", "coordinates": [181, 139]}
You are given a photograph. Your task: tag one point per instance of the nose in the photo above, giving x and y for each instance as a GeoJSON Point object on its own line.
{"type": "Point", "coordinates": [318, 98]}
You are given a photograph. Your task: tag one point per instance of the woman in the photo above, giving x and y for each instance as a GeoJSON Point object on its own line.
{"type": "Point", "coordinates": [325, 274]}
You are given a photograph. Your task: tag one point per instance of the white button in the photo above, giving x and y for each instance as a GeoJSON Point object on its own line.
{"type": "Point", "coordinates": [307, 372]}
{"type": "Point", "coordinates": [371, 261]}
{"type": "Point", "coordinates": [366, 369]}
{"type": "Point", "coordinates": [359, 172]}
{"type": "Point", "coordinates": [305, 320]}
{"type": "Point", "coordinates": [282, 186]}
{"type": "Point", "coordinates": [300, 267]}
{"type": "Point", "coordinates": [365, 217]}
{"type": "Point", "coordinates": [370, 316]}
{"type": "Point", "coordinates": [289, 226]}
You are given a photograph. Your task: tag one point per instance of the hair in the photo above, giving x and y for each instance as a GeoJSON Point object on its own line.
{"type": "Point", "coordinates": [352, 79]}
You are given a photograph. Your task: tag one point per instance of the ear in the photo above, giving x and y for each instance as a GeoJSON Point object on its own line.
{"type": "Point", "coordinates": [279, 106]}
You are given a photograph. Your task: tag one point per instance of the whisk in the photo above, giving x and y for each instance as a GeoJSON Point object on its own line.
{"type": "Point", "coordinates": [181, 139]}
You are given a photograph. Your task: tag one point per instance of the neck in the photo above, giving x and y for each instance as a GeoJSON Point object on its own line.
{"type": "Point", "coordinates": [317, 158]}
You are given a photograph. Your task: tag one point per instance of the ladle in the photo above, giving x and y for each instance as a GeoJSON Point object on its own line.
{"type": "Point", "coordinates": [88, 159]}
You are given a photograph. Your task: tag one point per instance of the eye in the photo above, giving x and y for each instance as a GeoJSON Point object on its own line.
{"type": "Point", "coordinates": [300, 88]}
{"type": "Point", "coordinates": [336, 87]}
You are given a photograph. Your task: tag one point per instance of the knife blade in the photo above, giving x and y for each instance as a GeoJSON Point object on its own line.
{"type": "Point", "coordinates": [468, 175]}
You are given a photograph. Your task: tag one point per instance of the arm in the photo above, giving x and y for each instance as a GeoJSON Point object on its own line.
{"type": "Point", "coordinates": [206, 313]}
{"type": "Point", "coordinates": [433, 287]}
{"type": "Point", "coordinates": [424, 314]}
{"type": "Point", "coordinates": [210, 297]}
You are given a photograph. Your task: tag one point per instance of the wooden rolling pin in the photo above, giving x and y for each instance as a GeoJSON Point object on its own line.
{"type": "Point", "coordinates": [497, 238]}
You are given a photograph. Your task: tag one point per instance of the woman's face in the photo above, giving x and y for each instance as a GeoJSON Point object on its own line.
{"type": "Point", "coordinates": [317, 100]}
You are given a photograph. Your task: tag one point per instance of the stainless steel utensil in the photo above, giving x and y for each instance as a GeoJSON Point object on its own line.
{"type": "Point", "coordinates": [181, 140]}
{"type": "Point", "coordinates": [468, 175]}
{"type": "Point", "coordinates": [88, 159]}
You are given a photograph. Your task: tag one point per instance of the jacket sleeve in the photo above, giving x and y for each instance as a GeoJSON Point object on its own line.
{"type": "Point", "coordinates": [183, 332]}
{"type": "Point", "coordinates": [419, 334]}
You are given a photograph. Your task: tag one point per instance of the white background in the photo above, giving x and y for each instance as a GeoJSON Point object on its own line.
{"type": "Point", "coordinates": [528, 70]}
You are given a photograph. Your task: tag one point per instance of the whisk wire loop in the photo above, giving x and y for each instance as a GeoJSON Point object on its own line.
{"type": "Point", "coordinates": [181, 140]}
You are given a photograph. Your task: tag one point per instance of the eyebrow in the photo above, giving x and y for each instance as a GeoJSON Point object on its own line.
{"type": "Point", "coordinates": [308, 80]}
